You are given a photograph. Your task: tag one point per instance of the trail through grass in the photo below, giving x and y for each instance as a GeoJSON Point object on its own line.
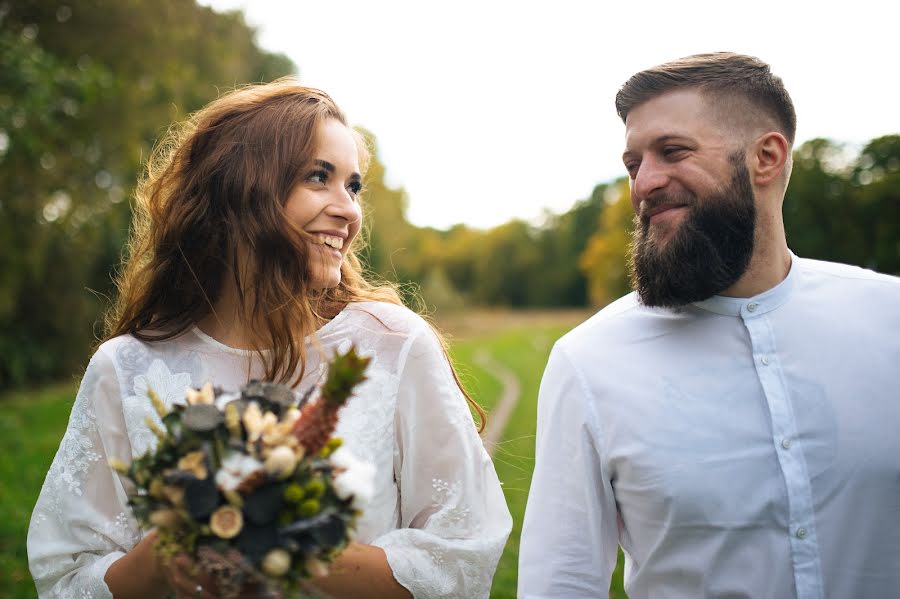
{"type": "Point", "coordinates": [524, 349]}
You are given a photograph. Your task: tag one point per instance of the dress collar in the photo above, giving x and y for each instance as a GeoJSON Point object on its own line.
{"type": "Point", "coordinates": [757, 305]}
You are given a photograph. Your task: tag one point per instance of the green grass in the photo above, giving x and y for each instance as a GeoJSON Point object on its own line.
{"type": "Point", "coordinates": [31, 426]}
{"type": "Point", "coordinates": [524, 350]}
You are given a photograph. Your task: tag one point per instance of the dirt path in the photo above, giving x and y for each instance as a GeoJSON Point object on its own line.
{"type": "Point", "coordinates": [499, 415]}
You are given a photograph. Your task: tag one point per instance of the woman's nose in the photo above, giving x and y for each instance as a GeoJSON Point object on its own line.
{"type": "Point", "coordinates": [344, 204]}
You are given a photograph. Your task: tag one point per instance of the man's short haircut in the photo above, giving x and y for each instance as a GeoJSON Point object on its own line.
{"type": "Point", "coordinates": [722, 75]}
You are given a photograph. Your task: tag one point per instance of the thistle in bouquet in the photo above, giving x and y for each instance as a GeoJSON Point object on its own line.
{"type": "Point", "coordinates": [254, 486]}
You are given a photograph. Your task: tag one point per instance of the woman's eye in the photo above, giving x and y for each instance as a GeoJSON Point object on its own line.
{"type": "Point", "coordinates": [355, 188]}
{"type": "Point", "coordinates": [317, 177]}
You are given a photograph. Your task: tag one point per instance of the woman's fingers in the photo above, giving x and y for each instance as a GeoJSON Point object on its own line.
{"type": "Point", "coordinates": [186, 581]}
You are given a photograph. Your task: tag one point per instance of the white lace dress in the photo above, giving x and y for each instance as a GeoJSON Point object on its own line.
{"type": "Point", "coordinates": [438, 510]}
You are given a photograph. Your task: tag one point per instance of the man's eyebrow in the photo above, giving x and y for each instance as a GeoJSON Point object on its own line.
{"type": "Point", "coordinates": [669, 137]}
{"type": "Point", "coordinates": [659, 141]}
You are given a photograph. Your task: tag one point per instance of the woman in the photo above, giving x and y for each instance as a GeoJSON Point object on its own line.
{"type": "Point", "coordinates": [242, 266]}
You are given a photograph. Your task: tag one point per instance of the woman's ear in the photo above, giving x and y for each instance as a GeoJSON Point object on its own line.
{"type": "Point", "coordinates": [770, 159]}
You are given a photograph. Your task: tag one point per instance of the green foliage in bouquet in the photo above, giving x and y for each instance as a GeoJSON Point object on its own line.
{"type": "Point", "coordinates": [252, 486]}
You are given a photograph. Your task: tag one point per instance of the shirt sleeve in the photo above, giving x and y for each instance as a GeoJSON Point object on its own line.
{"type": "Point", "coordinates": [454, 521]}
{"type": "Point", "coordinates": [570, 533]}
{"type": "Point", "coordinates": [81, 523]}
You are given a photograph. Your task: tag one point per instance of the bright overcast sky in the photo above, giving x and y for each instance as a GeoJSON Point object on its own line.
{"type": "Point", "coordinates": [486, 111]}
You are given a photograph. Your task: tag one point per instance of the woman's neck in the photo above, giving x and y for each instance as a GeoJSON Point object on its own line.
{"type": "Point", "coordinates": [228, 325]}
{"type": "Point", "coordinates": [228, 329]}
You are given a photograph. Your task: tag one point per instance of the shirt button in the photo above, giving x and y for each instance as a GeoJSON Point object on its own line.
{"type": "Point", "coordinates": [751, 307]}
{"type": "Point", "coordinates": [801, 533]}
{"type": "Point", "coordinates": [786, 443]}
{"type": "Point", "coordinates": [765, 360]}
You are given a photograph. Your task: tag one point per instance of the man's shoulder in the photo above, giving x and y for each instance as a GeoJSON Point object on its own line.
{"type": "Point", "coordinates": [834, 277]}
{"type": "Point", "coordinates": [610, 324]}
{"type": "Point", "coordinates": [845, 271]}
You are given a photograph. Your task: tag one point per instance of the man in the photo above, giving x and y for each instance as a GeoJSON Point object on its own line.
{"type": "Point", "coordinates": [734, 424]}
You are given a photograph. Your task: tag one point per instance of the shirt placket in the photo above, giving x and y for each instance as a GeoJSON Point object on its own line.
{"type": "Point", "coordinates": [801, 523]}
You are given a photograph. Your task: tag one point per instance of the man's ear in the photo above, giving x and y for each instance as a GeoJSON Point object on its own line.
{"type": "Point", "coordinates": [770, 158]}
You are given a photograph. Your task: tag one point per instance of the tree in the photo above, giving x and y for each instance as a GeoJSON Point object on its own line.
{"type": "Point", "coordinates": [86, 88]}
{"type": "Point", "coordinates": [846, 209]}
{"type": "Point", "coordinates": [604, 261]}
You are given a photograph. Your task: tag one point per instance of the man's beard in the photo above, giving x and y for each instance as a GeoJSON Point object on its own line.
{"type": "Point", "coordinates": [706, 254]}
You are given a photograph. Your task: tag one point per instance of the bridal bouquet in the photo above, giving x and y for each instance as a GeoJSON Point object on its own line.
{"type": "Point", "coordinates": [253, 485]}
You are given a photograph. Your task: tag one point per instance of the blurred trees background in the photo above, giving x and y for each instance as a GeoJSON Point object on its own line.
{"type": "Point", "coordinates": [87, 86]}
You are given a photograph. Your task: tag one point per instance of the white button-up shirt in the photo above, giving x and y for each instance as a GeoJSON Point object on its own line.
{"type": "Point", "coordinates": [734, 448]}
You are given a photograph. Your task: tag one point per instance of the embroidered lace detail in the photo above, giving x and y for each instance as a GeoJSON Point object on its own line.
{"type": "Point", "coordinates": [123, 531]}
{"type": "Point", "coordinates": [76, 454]}
{"type": "Point", "coordinates": [453, 515]}
{"type": "Point", "coordinates": [170, 388]}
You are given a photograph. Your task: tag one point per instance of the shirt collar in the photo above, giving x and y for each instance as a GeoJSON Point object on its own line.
{"type": "Point", "coordinates": [754, 306]}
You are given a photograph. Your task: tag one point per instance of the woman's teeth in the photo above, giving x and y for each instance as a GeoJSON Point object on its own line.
{"type": "Point", "coordinates": [335, 242]}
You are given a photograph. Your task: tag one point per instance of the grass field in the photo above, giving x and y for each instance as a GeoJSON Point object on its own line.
{"type": "Point", "coordinates": [32, 423]}
{"type": "Point", "coordinates": [31, 426]}
{"type": "Point", "coordinates": [522, 344]}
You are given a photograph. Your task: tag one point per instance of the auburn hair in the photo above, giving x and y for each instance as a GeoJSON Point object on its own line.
{"type": "Point", "coordinates": [213, 194]}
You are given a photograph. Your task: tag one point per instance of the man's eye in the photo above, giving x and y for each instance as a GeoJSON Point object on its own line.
{"type": "Point", "coordinates": [632, 168]}
{"type": "Point", "coordinates": [672, 151]}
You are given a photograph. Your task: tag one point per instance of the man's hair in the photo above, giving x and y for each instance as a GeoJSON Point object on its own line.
{"type": "Point", "coordinates": [720, 75]}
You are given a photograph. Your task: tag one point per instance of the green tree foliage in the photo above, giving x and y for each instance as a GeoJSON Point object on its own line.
{"type": "Point", "coordinates": [604, 261]}
{"type": "Point", "coordinates": [846, 210]}
{"type": "Point", "coordinates": [86, 87]}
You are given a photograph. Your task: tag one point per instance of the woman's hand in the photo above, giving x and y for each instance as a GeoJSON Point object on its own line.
{"type": "Point", "coordinates": [360, 571]}
{"type": "Point", "coordinates": [185, 579]}
{"type": "Point", "coordinates": [187, 582]}
{"type": "Point", "coordinates": [141, 573]}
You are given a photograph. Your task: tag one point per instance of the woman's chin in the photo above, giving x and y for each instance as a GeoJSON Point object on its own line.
{"type": "Point", "coordinates": [329, 280]}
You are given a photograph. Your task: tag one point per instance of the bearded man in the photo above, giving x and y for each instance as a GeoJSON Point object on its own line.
{"type": "Point", "coordinates": [733, 424]}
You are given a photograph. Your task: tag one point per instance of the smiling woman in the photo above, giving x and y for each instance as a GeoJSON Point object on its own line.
{"type": "Point", "coordinates": [242, 266]}
{"type": "Point", "coordinates": [325, 204]}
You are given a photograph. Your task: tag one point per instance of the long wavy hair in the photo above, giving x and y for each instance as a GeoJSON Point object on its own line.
{"type": "Point", "coordinates": [211, 205]}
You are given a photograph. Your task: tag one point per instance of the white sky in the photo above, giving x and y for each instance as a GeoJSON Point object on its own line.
{"type": "Point", "coordinates": [487, 111]}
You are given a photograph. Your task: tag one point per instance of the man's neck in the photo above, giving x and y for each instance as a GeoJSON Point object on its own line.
{"type": "Point", "coordinates": [769, 266]}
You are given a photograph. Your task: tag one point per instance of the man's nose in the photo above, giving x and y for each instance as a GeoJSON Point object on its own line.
{"type": "Point", "coordinates": [651, 176]}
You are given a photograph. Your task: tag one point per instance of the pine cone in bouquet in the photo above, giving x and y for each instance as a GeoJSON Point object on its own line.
{"type": "Point", "coordinates": [319, 418]}
{"type": "Point", "coordinates": [255, 489]}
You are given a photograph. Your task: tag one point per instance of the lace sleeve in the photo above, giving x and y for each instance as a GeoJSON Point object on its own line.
{"type": "Point", "coordinates": [81, 523]}
{"type": "Point", "coordinates": [454, 519]}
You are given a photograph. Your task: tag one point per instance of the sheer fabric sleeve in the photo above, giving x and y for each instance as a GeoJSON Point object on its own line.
{"type": "Point", "coordinates": [570, 533]}
{"type": "Point", "coordinates": [454, 521]}
{"type": "Point", "coordinates": [81, 523]}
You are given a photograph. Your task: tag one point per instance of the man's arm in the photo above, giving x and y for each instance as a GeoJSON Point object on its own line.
{"type": "Point", "coordinates": [570, 534]}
